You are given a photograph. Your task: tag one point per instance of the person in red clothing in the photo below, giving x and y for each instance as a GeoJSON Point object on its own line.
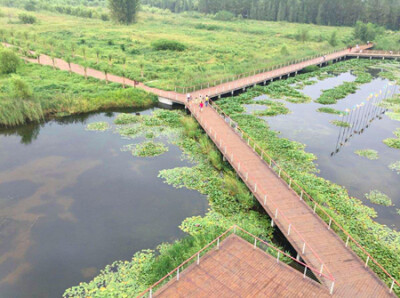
{"type": "Point", "coordinates": [201, 106]}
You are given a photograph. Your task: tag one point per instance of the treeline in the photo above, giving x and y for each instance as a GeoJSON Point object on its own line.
{"type": "Point", "coordinates": [322, 12]}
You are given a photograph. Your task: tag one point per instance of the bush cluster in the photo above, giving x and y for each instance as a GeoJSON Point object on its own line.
{"type": "Point", "coordinates": [168, 45]}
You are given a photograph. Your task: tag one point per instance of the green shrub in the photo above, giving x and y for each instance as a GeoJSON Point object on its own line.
{"type": "Point", "coordinates": [104, 17]}
{"type": "Point", "coordinates": [224, 15]}
{"type": "Point", "coordinates": [284, 50]}
{"type": "Point", "coordinates": [9, 62]}
{"type": "Point", "coordinates": [168, 45]}
{"type": "Point", "coordinates": [19, 89]}
{"type": "Point", "coordinates": [27, 18]}
{"type": "Point", "coordinates": [30, 5]}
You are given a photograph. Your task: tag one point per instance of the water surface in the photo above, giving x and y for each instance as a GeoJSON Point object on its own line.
{"type": "Point", "coordinates": [337, 161]}
{"type": "Point", "coordinates": [71, 203]}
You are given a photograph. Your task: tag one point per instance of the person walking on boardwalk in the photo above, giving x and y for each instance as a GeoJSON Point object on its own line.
{"type": "Point", "coordinates": [188, 97]}
{"type": "Point", "coordinates": [207, 100]}
{"type": "Point", "coordinates": [201, 106]}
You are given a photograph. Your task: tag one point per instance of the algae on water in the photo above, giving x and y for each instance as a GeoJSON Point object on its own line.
{"type": "Point", "coordinates": [368, 153]}
{"type": "Point", "coordinates": [377, 197]}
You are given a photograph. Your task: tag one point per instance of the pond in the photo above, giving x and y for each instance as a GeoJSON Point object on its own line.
{"type": "Point", "coordinates": [71, 202]}
{"type": "Point", "coordinates": [335, 146]}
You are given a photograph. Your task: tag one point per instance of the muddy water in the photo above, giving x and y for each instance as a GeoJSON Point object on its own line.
{"type": "Point", "coordinates": [71, 202]}
{"type": "Point", "coordinates": [337, 161]}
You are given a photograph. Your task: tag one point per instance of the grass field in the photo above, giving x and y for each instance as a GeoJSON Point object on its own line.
{"type": "Point", "coordinates": [213, 49]}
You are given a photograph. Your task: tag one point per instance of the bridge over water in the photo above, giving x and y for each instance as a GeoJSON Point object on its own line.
{"type": "Point", "coordinates": [316, 236]}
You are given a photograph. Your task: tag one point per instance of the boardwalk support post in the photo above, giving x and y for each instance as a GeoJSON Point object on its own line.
{"type": "Point", "coordinates": [151, 293]}
{"type": "Point", "coordinates": [277, 259]}
{"type": "Point", "coordinates": [391, 288]}
{"type": "Point", "coordinates": [330, 223]}
{"type": "Point", "coordinates": [347, 241]}
{"type": "Point", "coordinates": [315, 207]}
{"type": "Point", "coordinates": [290, 226]}
{"type": "Point", "coordinates": [198, 258]}
{"type": "Point", "coordinates": [322, 268]}
{"type": "Point", "coordinates": [177, 275]}
{"type": "Point", "coordinates": [333, 285]}
{"type": "Point", "coordinates": [305, 271]}
{"type": "Point", "coordinates": [304, 248]}
{"type": "Point", "coordinates": [366, 263]}
{"type": "Point", "coordinates": [272, 223]}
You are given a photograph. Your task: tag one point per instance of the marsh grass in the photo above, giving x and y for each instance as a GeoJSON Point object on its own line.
{"type": "Point", "coordinates": [379, 198]}
{"type": "Point", "coordinates": [368, 153]}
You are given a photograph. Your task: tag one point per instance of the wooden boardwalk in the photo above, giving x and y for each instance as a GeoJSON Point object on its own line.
{"type": "Point", "coordinates": [318, 245]}
{"type": "Point", "coordinates": [372, 54]}
{"type": "Point", "coordinates": [239, 270]}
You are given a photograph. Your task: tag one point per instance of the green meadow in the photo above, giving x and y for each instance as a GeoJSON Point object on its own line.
{"type": "Point", "coordinates": [165, 50]}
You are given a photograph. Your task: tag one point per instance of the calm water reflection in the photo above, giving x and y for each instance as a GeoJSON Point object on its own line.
{"type": "Point", "coordinates": [359, 175]}
{"type": "Point", "coordinates": [71, 202]}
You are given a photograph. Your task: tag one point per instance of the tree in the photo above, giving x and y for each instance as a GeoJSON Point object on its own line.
{"type": "Point", "coordinates": [9, 62]}
{"type": "Point", "coordinates": [124, 11]}
{"type": "Point", "coordinates": [68, 59]}
{"type": "Point", "coordinates": [333, 39]}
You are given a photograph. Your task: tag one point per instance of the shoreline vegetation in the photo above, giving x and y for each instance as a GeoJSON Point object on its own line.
{"type": "Point", "coordinates": [36, 93]}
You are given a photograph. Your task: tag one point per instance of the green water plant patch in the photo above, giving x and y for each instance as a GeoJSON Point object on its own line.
{"type": "Point", "coordinates": [395, 167]}
{"type": "Point", "coordinates": [331, 96]}
{"type": "Point", "coordinates": [368, 153]}
{"type": "Point", "coordinates": [340, 123]}
{"type": "Point", "coordinates": [149, 149]}
{"type": "Point", "coordinates": [99, 126]}
{"type": "Point", "coordinates": [377, 197]}
{"type": "Point", "coordinates": [329, 111]}
{"type": "Point", "coordinates": [394, 142]}
{"type": "Point", "coordinates": [127, 119]}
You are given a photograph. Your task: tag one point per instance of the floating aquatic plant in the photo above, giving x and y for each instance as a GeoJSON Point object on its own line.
{"type": "Point", "coordinates": [149, 149]}
{"type": "Point", "coordinates": [368, 153]}
{"type": "Point", "coordinates": [395, 167]}
{"type": "Point", "coordinates": [340, 123]}
{"type": "Point", "coordinates": [329, 111]}
{"type": "Point", "coordinates": [377, 197]}
{"type": "Point", "coordinates": [392, 142]}
{"type": "Point", "coordinates": [98, 126]}
{"type": "Point", "coordinates": [127, 119]}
